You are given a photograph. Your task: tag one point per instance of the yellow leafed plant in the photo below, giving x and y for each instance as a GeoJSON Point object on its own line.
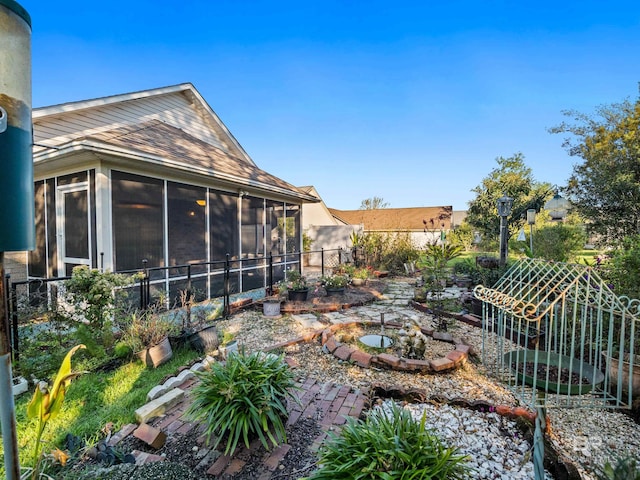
{"type": "Point", "coordinates": [47, 403]}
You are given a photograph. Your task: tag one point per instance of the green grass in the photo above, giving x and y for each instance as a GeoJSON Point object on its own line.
{"type": "Point", "coordinates": [93, 400]}
{"type": "Point", "coordinates": [587, 255]}
{"type": "Point", "coordinates": [472, 255]}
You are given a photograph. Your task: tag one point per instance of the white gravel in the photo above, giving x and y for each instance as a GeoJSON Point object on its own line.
{"type": "Point", "coordinates": [493, 444]}
{"type": "Point", "coordinates": [587, 437]}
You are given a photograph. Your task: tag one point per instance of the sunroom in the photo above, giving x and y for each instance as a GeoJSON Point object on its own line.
{"type": "Point", "coordinates": [154, 180]}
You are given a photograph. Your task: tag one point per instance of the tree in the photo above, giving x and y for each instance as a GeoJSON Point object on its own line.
{"type": "Point", "coordinates": [373, 203]}
{"type": "Point", "coordinates": [605, 187]}
{"type": "Point", "coordinates": [514, 179]}
{"type": "Point", "coordinates": [462, 235]}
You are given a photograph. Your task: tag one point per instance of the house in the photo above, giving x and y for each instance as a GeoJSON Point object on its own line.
{"type": "Point", "coordinates": [424, 224]}
{"type": "Point", "coordinates": [325, 231]}
{"type": "Point", "coordinates": [155, 179]}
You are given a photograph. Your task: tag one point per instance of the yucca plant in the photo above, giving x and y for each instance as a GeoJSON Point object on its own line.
{"type": "Point", "coordinates": [242, 398]}
{"type": "Point", "coordinates": [388, 445]}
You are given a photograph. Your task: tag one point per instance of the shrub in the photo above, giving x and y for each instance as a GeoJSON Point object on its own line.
{"type": "Point", "coordinates": [244, 397]}
{"type": "Point", "coordinates": [622, 269]}
{"type": "Point", "coordinates": [389, 251]}
{"type": "Point", "coordinates": [558, 242]}
{"type": "Point", "coordinates": [480, 275]}
{"type": "Point", "coordinates": [388, 445]}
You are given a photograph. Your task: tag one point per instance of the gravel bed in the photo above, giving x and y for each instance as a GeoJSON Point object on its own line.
{"type": "Point", "coordinates": [493, 444]}
{"type": "Point", "coordinates": [587, 437]}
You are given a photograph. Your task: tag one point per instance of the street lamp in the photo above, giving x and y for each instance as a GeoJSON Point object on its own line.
{"type": "Point", "coordinates": [504, 209]}
{"type": "Point", "coordinates": [531, 219]}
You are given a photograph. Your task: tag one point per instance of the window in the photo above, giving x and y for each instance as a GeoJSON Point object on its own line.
{"type": "Point", "coordinates": [137, 220]}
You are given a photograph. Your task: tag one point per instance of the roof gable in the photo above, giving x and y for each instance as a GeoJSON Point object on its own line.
{"type": "Point", "coordinates": [180, 106]}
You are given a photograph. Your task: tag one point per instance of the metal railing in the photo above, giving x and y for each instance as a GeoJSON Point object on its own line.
{"type": "Point", "coordinates": [174, 286]}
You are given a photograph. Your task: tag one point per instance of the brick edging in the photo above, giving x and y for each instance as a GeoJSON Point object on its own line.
{"type": "Point", "coordinates": [453, 360]}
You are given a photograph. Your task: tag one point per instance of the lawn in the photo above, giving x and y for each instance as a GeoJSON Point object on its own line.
{"type": "Point", "coordinates": [93, 400]}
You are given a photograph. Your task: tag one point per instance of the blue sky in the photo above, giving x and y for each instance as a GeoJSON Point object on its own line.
{"type": "Point", "coordinates": [411, 101]}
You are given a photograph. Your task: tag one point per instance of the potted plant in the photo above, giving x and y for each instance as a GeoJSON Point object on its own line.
{"type": "Point", "coordinates": [359, 276]}
{"type": "Point", "coordinates": [147, 334]}
{"type": "Point", "coordinates": [335, 284]}
{"type": "Point", "coordinates": [295, 285]}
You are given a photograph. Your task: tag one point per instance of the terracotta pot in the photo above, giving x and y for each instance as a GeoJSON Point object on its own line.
{"type": "Point", "coordinates": [298, 295]}
{"type": "Point", "coordinates": [156, 355]}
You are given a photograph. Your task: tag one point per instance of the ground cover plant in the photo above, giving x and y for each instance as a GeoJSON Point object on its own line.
{"type": "Point", "coordinates": [388, 445]}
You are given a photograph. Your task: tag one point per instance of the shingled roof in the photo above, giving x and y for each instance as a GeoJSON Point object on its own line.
{"type": "Point", "coordinates": [171, 143]}
{"type": "Point", "coordinates": [411, 219]}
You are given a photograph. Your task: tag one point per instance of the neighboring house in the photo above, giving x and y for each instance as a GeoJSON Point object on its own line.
{"type": "Point", "coordinates": [155, 176]}
{"type": "Point", "coordinates": [324, 230]}
{"type": "Point", "coordinates": [424, 224]}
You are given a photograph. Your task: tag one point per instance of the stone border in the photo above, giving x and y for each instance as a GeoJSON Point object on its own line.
{"type": "Point", "coordinates": [453, 360]}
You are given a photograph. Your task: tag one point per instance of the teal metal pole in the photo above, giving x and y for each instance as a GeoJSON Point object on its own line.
{"type": "Point", "coordinates": [538, 444]}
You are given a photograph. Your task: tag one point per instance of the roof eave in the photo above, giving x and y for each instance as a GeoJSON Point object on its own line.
{"type": "Point", "coordinates": [115, 153]}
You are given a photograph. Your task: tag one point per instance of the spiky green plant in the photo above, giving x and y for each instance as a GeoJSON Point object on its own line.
{"type": "Point", "coordinates": [388, 445]}
{"type": "Point", "coordinates": [625, 468]}
{"type": "Point", "coordinates": [244, 397]}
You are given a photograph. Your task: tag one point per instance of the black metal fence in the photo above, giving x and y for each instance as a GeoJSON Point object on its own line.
{"type": "Point", "coordinates": [174, 286]}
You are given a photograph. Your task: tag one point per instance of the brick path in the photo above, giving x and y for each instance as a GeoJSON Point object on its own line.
{"type": "Point", "coordinates": [330, 404]}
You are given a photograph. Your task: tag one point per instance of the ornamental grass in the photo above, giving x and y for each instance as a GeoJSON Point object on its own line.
{"type": "Point", "coordinates": [242, 398]}
{"type": "Point", "coordinates": [388, 445]}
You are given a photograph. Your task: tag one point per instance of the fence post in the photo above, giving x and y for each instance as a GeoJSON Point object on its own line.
{"type": "Point", "coordinates": [144, 287]}
{"type": "Point", "coordinates": [189, 293]}
{"type": "Point", "coordinates": [322, 261]}
{"type": "Point", "coordinates": [340, 256]}
{"type": "Point", "coordinates": [270, 274]}
{"type": "Point", "coordinates": [227, 266]}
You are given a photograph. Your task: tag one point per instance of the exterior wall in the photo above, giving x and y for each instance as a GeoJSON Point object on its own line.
{"type": "Point", "coordinates": [422, 239]}
{"type": "Point", "coordinates": [329, 237]}
{"type": "Point", "coordinates": [315, 214]}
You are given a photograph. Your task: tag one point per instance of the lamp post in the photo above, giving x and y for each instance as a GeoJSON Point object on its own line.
{"type": "Point", "coordinates": [531, 220]}
{"type": "Point", "coordinates": [504, 209]}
